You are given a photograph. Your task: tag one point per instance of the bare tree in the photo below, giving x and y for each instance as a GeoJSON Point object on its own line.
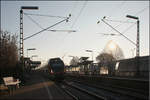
{"type": "Point", "coordinates": [8, 50]}
{"type": "Point", "coordinates": [74, 61]}
{"type": "Point", "coordinates": [106, 60]}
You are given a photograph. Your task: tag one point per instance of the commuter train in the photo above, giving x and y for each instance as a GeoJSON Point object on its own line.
{"type": "Point", "coordinates": [56, 68]}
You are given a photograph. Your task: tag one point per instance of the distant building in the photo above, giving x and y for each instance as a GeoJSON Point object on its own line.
{"type": "Point", "coordinates": [29, 64]}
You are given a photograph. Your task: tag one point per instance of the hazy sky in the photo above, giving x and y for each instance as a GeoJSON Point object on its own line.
{"type": "Point", "coordinates": [85, 15]}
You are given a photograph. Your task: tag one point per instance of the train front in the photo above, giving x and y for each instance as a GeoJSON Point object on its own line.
{"type": "Point", "coordinates": [57, 68]}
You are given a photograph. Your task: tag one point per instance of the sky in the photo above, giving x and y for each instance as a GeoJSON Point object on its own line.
{"type": "Point", "coordinates": [84, 18]}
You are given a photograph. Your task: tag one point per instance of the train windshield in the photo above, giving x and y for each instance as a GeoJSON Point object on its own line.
{"type": "Point", "coordinates": [57, 65]}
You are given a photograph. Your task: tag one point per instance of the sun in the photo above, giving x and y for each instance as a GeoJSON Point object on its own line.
{"type": "Point", "coordinates": [112, 46]}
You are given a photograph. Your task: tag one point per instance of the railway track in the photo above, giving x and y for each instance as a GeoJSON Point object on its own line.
{"type": "Point", "coordinates": [79, 93]}
{"type": "Point", "coordinates": [113, 91]}
{"type": "Point", "coordinates": [79, 90]}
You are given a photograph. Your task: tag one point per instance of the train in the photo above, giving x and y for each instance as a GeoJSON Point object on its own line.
{"type": "Point", "coordinates": [56, 69]}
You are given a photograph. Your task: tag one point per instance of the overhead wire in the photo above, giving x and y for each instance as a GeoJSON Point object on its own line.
{"type": "Point", "coordinates": [44, 15]}
{"type": "Point", "coordinates": [118, 32]}
{"type": "Point", "coordinates": [119, 21]}
{"type": "Point", "coordinates": [139, 12]}
{"type": "Point", "coordinates": [129, 19]}
{"type": "Point", "coordinates": [112, 12]}
{"type": "Point", "coordinates": [123, 31]}
{"type": "Point", "coordinates": [135, 14]}
{"type": "Point", "coordinates": [117, 7]}
{"type": "Point", "coordinates": [34, 21]}
{"type": "Point", "coordinates": [28, 15]}
{"type": "Point", "coordinates": [40, 25]}
{"type": "Point", "coordinates": [79, 13]}
{"type": "Point", "coordinates": [81, 10]}
{"type": "Point", "coordinates": [73, 7]}
{"type": "Point", "coordinates": [45, 29]}
{"type": "Point", "coordinates": [128, 28]}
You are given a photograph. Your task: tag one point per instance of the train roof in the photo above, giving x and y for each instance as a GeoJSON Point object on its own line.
{"type": "Point", "coordinates": [54, 59]}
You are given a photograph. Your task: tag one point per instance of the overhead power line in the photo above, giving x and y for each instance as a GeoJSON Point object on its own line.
{"type": "Point", "coordinates": [118, 32]}
{"type": "Point", "coordinates": [126, 28]}
{"type": "Point", "coordinates": [34, 21]}
{"type": "Point", "coordinates": [142, 10]}
{"type": "Point", "coordinates": [76, 18]}
{"type": "Point", "coordinates": [139, 12]}
{"type": "Point", "coordinates": [116, 8]}
{"type": "Point", "coordinates": [44, 15]}
{"type": "Point", "coordinates": [119, 21]}
{"type": "Point", "coordinates": [63, 30]}
{"type": "Point", "coordinates": [74, 6]}
{"type": "Point", "coordinates": [46, 29]}
{"type": "Point", "coordinates": [112, 34]}
{"type": "Point", "coordinates": [79, 14]}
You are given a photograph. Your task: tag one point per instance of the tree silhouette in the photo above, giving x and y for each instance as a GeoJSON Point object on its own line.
{"type": "Point", "coordinates": [8, 51]}
{"type": "Point", "coordinates": [106, 60]}
{"type": "Point", "coordinates": [74, 61]}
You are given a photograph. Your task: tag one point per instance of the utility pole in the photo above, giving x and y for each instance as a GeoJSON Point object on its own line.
{"type": "Point", "coordinates": [138, 39]}
{"type": "Point", "coordinates": [0, 44]}
{"type": "Point", "coordinates": [21, 31]}
{"type": "Point", "coordinates": [21, 37]}
{"type": "Point", "coordinates": [138, 34]}
{"type": "Point", "coordinates": [137, 45]}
